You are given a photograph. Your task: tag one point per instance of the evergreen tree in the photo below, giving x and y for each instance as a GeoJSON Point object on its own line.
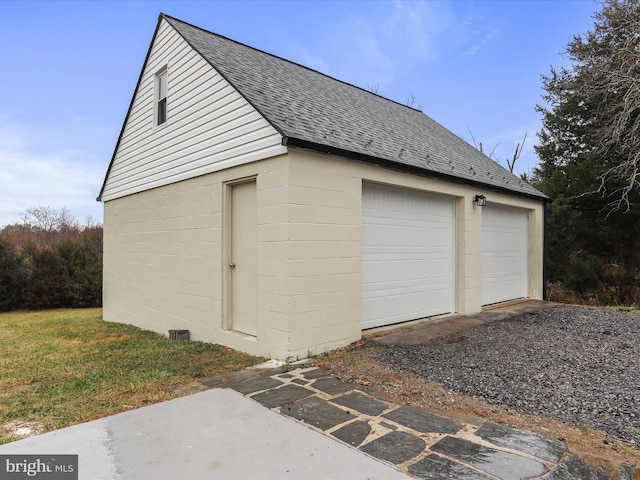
{"type": "Point", "coordinates": [589, 150]}
{"type": "Point", "coordinates": [13, 276]}
{"type": "Point", "coordinates": [45, 288]}
{"type": "Point", "coordinates": [81, 274]}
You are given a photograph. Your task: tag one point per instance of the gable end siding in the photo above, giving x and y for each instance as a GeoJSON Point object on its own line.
{"type": "Point", "coordinates": [210, 126]}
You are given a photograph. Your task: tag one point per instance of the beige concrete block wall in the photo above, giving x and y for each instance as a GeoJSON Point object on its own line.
{"type": "Point", "coordinates": [156, 276]}
{"type": "Point", "coordinates": [165, 258]}
{"type": "Point", "coordinates": [325, 256]}
{"type": "Point", "coordinates": [341, 179]}
{"type": "Point", "coordinates": [273, 265]}
{"type": "Point", "coordinates": [469, 253]}
{"type": "Point", "coordinates": [325, 259]}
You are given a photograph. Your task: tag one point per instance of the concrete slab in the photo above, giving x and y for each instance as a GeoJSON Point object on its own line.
{"type": "Point", "coordinates": [421, 331]}
{"type": "Point", "coordinates": [268, 365]}
{"type": "Point", "coordinates": [213, 434]}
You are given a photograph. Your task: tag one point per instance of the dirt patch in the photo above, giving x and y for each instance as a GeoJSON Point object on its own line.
{"type": "Point", "coordinates": [189, 389]}
{"type": "Point", "coordinates": [21, 429]}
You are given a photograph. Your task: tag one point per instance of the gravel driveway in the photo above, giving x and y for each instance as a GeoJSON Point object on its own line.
{"type": "Point", "coordinates": [578, 364]}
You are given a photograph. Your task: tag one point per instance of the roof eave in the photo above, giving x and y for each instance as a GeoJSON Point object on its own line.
{"type": "Point", "coordinates": [322, 148]}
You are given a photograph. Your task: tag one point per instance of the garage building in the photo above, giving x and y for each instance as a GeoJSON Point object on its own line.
{"type": "Point", "coordinates": [271, 208]}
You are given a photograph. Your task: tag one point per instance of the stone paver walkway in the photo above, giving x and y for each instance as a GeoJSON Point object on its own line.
{"type": "Point", "coordinates": [418, 443]}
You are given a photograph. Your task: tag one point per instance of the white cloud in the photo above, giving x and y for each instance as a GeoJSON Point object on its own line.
{"type": "Point", "coordinates": [468, 29]}
{"type": "Point", "coordinates": [376, 45]}
{"type": "Point", "coordinates": [366, 56]}
{"type": "Point", "coordinates": [432, 30]}
{"type": "Point", "coordinates": [33, 173]}
{"type": "Point", "coordinates": [483, 38]}
{"type": "Point", "coordinates": [314, 62]}
{"type": "Point", "coordinates": [413, 28]}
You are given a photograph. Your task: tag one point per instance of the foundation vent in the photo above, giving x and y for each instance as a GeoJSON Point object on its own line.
{"type": "Point", "coordinates": [178, 334]}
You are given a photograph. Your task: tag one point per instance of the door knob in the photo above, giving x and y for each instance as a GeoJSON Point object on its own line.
{"type": "Point", "coordinates": [232, 265]}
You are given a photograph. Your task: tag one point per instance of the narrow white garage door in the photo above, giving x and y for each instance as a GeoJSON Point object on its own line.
{"type": "Point", "coordinates": [504, 254]}
{"type": "Point", "coordinates": [407, 255]}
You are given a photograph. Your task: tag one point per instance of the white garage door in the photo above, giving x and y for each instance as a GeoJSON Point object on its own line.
{"type": "Point", "coordinates": [407, 255]}
{"type": "Point", "coordinates": [504, 254]}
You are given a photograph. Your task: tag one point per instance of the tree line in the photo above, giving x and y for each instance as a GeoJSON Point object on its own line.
{"type": "Point", "coordinates": [589, 166]}
{"type": "Point", "coordinates": [589, 151]}
{"type": "Point", "coordinates": [49, 260]}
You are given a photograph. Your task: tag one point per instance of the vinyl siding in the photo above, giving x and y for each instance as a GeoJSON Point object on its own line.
{"type": "Point", "coordinates": [209, 127]}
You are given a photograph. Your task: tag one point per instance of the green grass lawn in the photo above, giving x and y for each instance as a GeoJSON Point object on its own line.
{"type": "Point", "coordinates": [62, 367]}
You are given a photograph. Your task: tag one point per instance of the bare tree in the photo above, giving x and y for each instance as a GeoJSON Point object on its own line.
{"type": "Point", "coordinates": [374, 88]}
{"type": "Point", "coordinates": [516, 154]}
{"type": "Point", "coordinates": [479, 146]}
{"type": "Point", "coordinates": [598, 98]}
{"type": "Point", "coordinates": [40, 218]}
{"type": "Point", "coordinates": [66, 221]}
{"type": "Point", "coordinates": [616, 80]}
{"type": "Point", "coordinates": [510, 163]}
{"type": "Point", "coordinates": [411, 102]}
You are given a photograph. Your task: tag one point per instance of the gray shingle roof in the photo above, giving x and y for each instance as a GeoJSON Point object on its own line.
{"type": "Point", "coordinates": [314, 110]}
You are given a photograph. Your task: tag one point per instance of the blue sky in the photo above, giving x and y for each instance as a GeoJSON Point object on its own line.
{"type": "Point", "coordinates": [69, 70]}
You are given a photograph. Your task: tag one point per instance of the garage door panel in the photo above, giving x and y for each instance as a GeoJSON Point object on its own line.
{"type": "Point", "coordinates": [407, 255]}
{"type": "Point", "coordinates": [504, 254]}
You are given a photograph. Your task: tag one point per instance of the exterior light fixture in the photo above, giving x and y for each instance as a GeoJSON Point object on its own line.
{"type": "Point", "coordinates": [480, 200]}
